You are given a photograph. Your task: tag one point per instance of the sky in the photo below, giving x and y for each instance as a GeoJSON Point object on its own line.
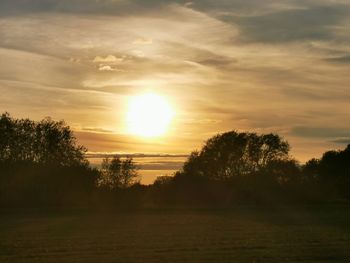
{"type": "Point", "coordinates": [261, 66]}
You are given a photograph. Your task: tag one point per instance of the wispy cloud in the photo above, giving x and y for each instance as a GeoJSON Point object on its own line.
{"type": "Point", "coordinates": [249, 65]}
{"type": "Point", "coordinates": [143, 41]}
{"type": "Point", "coordinates": [107, 59]}
{"type": "Point", "coordinates": [340, 59]}
{"type": "Point", "coordinates": [320, 132]}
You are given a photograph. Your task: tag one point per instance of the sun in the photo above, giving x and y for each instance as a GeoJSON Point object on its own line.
{"type": "Point", "coordinates": [149, 115]}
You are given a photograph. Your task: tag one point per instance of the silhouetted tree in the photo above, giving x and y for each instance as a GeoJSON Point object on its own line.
{"type": "Point", "coordinates": [163, 180]}
{"type": "Point", "coordinates": [283, 171]}
{"type": "Point", "coordinates": [117, 173]}
{"type": "Point", "coordinates": [41, 163]}
{"type": "Point", "coordinates": [311, 169]}
{"type": "Point", "coordinates": [44, 142]}
{"type": "Point", "coordinates": [333, 169]}
{"type": "Point", "coordinates": [236, 154]}
{"type": "Point", "coordinates": [235, 167]}
{"type": "Point", "coordinates": [129, 174]}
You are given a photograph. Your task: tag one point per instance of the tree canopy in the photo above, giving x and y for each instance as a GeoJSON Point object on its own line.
{"type": "Point", "coordinates": [231, 154]}
{"type": "Point", "coordinates": [332, 169]}
{"type": "Point", "coordinates": [43, 142]}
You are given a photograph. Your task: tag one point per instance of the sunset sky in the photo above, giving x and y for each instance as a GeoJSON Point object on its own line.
{"type": "Point", "coordinates": [246, 65]}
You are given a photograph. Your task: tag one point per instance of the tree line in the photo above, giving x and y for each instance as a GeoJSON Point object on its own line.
{"type": "Point", "coordinates": [41, 164]}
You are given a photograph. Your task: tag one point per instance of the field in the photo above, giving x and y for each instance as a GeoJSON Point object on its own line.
{"type": "Point", "coordinates": [243, 234]}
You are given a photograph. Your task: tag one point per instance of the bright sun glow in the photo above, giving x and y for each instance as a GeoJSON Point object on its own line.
{"type": "Point", "coordinates": [149, 115]}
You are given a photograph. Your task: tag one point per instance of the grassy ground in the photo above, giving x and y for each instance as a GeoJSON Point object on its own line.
{"type": "Point", "coordinates": [243, 234]}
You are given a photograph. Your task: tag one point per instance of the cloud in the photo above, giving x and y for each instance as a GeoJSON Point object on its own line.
{"type": "Point", "coordinates": [188, 4]}
{"type": "Point", "coordinates": [135, 155]}
{"type": "Point", "coordinates": [342, 59]}
{"type": "Point", "coordinates": [106, 68]}
{"type": "Point", "coordinates": [320, 132]}
{"type": "Point", "coordinates": [143, 41]}
{"type": "Point", "coordinates": [20, 7]}
{"type": "Point", "coordinates": [97, 130]}
{"type": "Point", "coordinates": [313, 23]}
{"type": "Point", "coordinates": [97, 142]}
{"type": "Point", "coordinates": [257, 65]}
{"type": "Point", "coordinates": [342, 140]}
{"type": "Point", "coordinates": [107, 59]}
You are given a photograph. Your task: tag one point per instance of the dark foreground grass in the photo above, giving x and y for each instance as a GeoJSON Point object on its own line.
{"type": "Point", "coordinates": [243, 234]}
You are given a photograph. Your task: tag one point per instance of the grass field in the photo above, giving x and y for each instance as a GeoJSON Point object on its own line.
{"type": "Point", "coordinates": [243, 234]}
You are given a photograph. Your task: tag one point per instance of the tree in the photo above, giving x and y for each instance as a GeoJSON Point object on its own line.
{"type": "Point", "coordinates": [45, 142]}
{"type": "Point", "coordinates": [311, 169]}
{"type": "Point", "coordinates": [117, 173]}
{"type": "Point", "coordinates": [231, 154]}
{"type": "Point", "coordinates": [129, 174]}
{"type": "Point", "coordinates": [333, 169]}
{"type": "Point", "coordinates": [110, 172]}
{"type": "Point", "coordinates": [283, 171]}
{"type": "Point", "coordinates": [333, 166]}
{"type": "Point", "coordinates": [163, 180]}
{"type": "Point", "coordinates": [41, 163]}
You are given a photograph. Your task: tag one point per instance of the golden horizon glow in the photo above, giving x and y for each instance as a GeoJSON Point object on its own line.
{"type": "Point", "coordinates": [149, 115]}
